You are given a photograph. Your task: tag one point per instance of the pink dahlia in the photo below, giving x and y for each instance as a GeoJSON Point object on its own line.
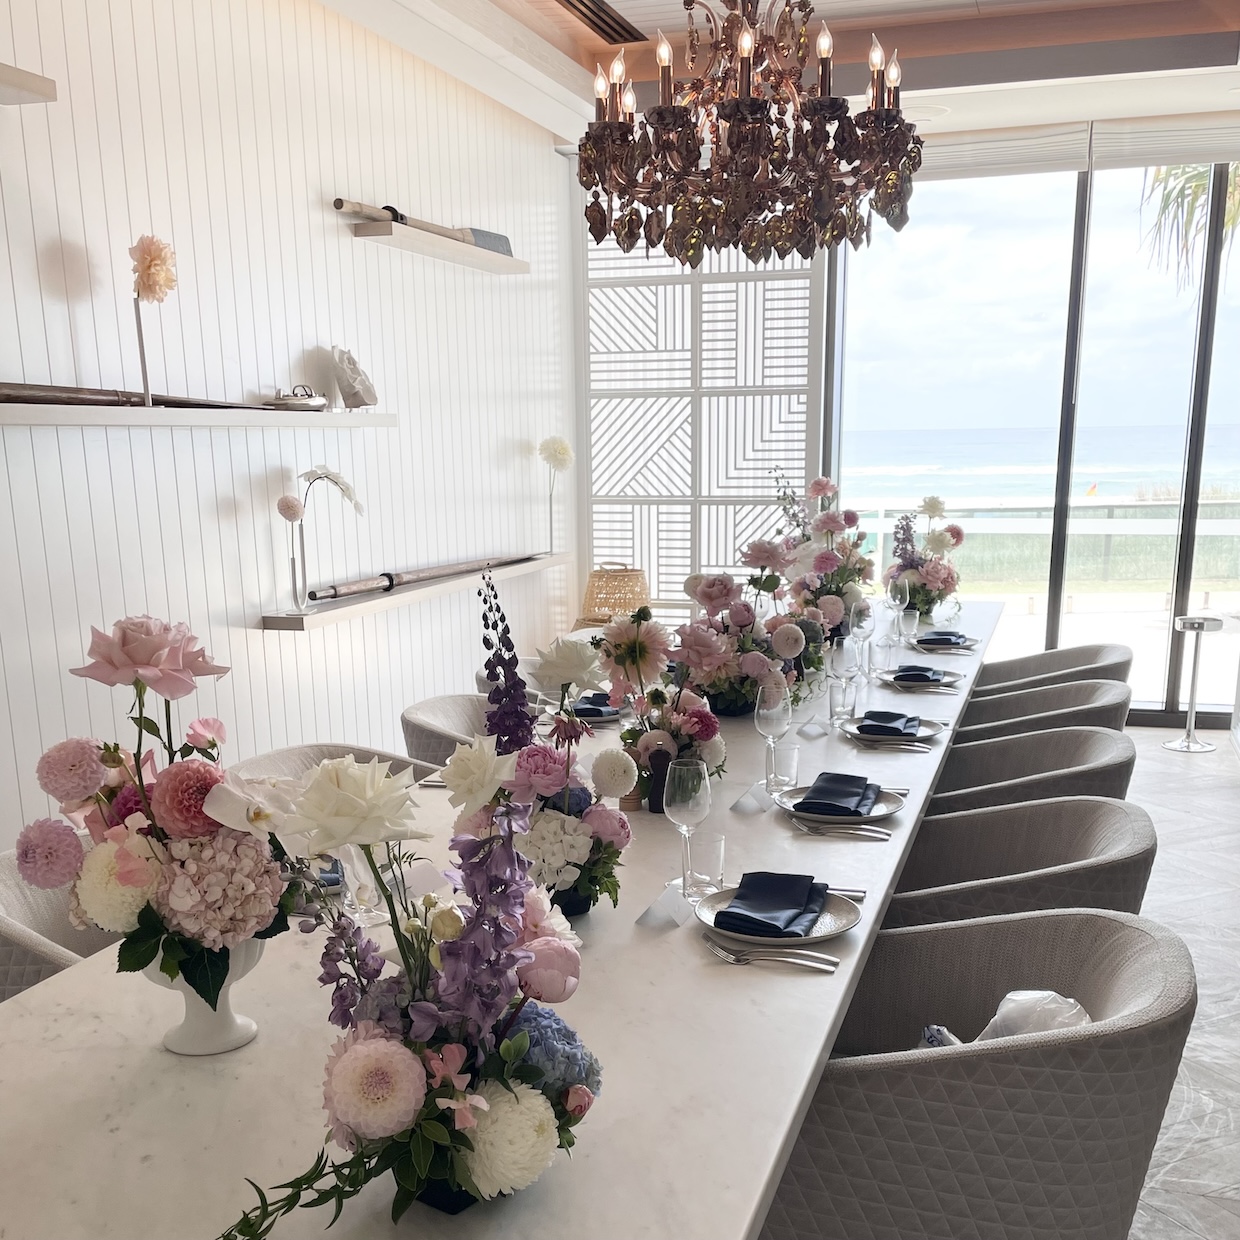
{"type": "Point", "coordinates": [957, 534]}
{"type": "Point", "coordinates": [636, 651]}
{"type": "Point", "coordinates": [49, 853]}
{"type": "Point", "coordinates": [822, 488]}
{"type": "Point", "coordinates": [218, 891]}
{"type": "Point", "coordinates": [373, 1087]}
{"type": "Point", "coordinates": [718, 592]}
{"type": "Point", "coordinates": [177, 797]}
{"type": "Point", "coordinates": [72, 770]}
{"type": "Point", "coordinates": [608, 825]}
{"type": "Point", "coordinates": [541, 771]}
{"type": "Point", "coordinates": [832, 608]}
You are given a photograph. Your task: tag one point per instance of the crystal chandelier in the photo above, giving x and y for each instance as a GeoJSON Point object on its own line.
{"type": "Point", "coordinates": [746, 152]}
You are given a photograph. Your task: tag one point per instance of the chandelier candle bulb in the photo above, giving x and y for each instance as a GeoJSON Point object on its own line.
{"type": "Point", "coordinates": [617, 86]}
{"type": "Point", "coordinates": [826, 46]}
{"type": "Point", "coordinates": [600, 95]}
{"type": "Point", "coordinates": [630, 102]}
{"type": "Point", "coordinates": [664, 56]}
{"type": "Point", "coordinates": [744, 48]}
{"type": "Point", "coordinates": [877, 60]}
{"type": "Point", "coordinates": [893, 81]}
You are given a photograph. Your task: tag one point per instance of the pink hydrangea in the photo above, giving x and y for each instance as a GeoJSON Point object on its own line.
{"type": "Point", "coordinates": [164, 657]}
{"type": "Point", "coordinates": [829, 522]}
{"type": "Point", "coordinates": [373, 1086]}
{"type": "Point", "coordinates": [702, 648]}
{"type": "Point", "coordinates": [822, 488]}
{"type": "Point", "coordinates": [218, 891]}
{"type": "Point", "coordinates": [72, 770]}
{"type": "Point", "coordinates": [755, 664]}
{"type": "Point", "coordinates": [177, 797]}
{"type": "Point", "coordinates": [956, 533]}
{"type": "Point", "coordinates": [832, 608]}
{"type": "Point", "coordinates": [826, 562]}
{"type": "Point", "coordinates": [49, 853]}
{"type": "Point", "coordinates": [541, 771]}
{"type": "Point", "coordinates": [608, 825]}
{"type": "Point", "coordinates": [718, 592]}
{"type": "Point", "coordinates": [788, 641]}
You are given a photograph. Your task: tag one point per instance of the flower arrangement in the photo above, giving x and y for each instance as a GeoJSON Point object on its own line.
{"type": "Point", "coordinates": [728, 653]}
{"type": "Point", "coordinates": [931, 576]}
{"type": "Point", "coordinates": [450, 1074]}
{"type": "Point", "coordinates": [166, 861]}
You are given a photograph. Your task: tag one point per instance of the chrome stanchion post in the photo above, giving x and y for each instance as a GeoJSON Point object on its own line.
{"type": "Point", "coordinates": [1196, 625]}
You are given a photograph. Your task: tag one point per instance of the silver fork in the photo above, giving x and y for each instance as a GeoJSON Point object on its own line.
{"type": "Point", "coordinates": [921, 687]}
{"type": "Point", "coordinates": [806, 959]}
{"type": "Point", "coordinates": [859, 832]}
{"type": "Point", "coordinates": [894, 746]}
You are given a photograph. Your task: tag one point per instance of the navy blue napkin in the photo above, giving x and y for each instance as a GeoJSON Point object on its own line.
{"type": "Point", "coordinates": [595, 706]}
{"type": "Point", "coordinates": [914, 674]}
{"type": "Point", "coordinates": [889, 723]}
{"type": "Point", "coordinates": [942, 637]}
{"type": "Point", "coordinates": [773, 906]}
{"type": "Point", "coordinates": [839, 796]}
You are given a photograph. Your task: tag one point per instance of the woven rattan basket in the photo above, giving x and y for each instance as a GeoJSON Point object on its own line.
{"type": "Point", "coordinates": [613, 590]}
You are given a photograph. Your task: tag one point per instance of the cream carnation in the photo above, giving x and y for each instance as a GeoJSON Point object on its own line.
{"type": "Point", "coordinates": [103, 898]}
{"type": "Point", "coordinates": [614, 773]}
{"type": "Point", "coordinates": [514, 1141]}
{"type": "Point", "coordinates": [555, 847]}
{"type": "Point", "coordinates": [154, 268]}
{"type": "Point", "coordinates": [557, 452]}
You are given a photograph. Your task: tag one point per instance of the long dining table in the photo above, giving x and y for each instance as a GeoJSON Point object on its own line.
{"type": "Point", "coordinates": [708, 1068]}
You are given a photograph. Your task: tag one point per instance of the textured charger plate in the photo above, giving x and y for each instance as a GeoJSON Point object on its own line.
{"type": "Point", "coordinates": [888, 803]}
{"type": "Point", "coordinates": [837, 916]}
{"type": "Point", "coordinates": [949, 678]}
{"type": "Point", "coordinates": [927, 731]}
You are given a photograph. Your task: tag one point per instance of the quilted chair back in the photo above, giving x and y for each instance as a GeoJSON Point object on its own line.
{"type": "Point", "coordinates": [1056, 763]}
{"type": "Point", "coordinates": [297, 760]}
{"type": "Point", "coordinates": [1054, 667]}
{"type": "Point", "coordinates": [1067, 852]}
{"type": "Point", "coordinates": [1043, 1136]}
{"type": "Point", "coordinates": [435, 727]}
{"type": "Point", "coordinates": [1082, 703]}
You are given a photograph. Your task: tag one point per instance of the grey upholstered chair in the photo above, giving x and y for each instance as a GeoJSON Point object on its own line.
{"type": "Point", "coordinates": [1067, 852]}
{"type": "Point", "coordinates": [1042, 1136]}
{"type": "Point", "coordinates": [37, 938]}
{"type": "Point", "coordinates": [1054, 667]}
{"type": "Point", "coordinates": [1060, 763]}
{"type": "Point", "coordinates": [436, 726]}
{"type": "Point", "coordinates": [297, 760]}
{"type": "Point", "coordinates": [1080, 703]}
{"type": "Point", "coordinates": [527, 667]}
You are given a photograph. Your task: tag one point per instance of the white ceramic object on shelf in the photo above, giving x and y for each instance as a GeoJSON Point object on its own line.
{"type": "Point", "coordinates": [356, 389]}
{"type": "Point", "coordinates": [202, 1031]}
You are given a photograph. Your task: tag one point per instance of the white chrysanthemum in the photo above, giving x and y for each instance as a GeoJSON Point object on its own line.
{"type": "Point", "coordinates": [714, 752]}
{"type": "Point", "coordinates": [569, 663]}
{"type": "Point", "coordinates": [932, 507]}
{"type": "Point", "coordinates": [514, 1142]}
{"type": "Point", "coordinates": [555, 846]}
{"type": "Point", "coordinates": [557, 452]}
{"type": "Point", "coordinates": [614, 773]}
{"type": "Point", "coordinates": [101, 896]}
{"type": "Point", "coordinates": [474, 773]}
{"type": "Point", "coordinates": [938, 542]}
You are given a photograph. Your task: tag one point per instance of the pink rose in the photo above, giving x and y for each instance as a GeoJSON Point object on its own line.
{"type": "Point", "coordinates": [822, 488]}
{"type": "Point", "coordinates": [164, 657]}
{"type": "Point", "coordinates": [718, 592]}
{"type": "Point", "coordinates": [763, 553]}
{"type": "Point", "coordinates": [552, 975]}
{"type": "Point", "coordinates": [541, 771]}
{"type": "Point", "coordinates": [205, 733]}
{"type": "Point", "coordinates": [832, 608]}
{"type": "Point", "coordinates": [828, 523]}
{"type": "Point", "coordinates": [755, 664]}
{"type": "Point", "coordinates": [578, 1100]}
{"type": "Point", "coordinates": [741, 615]}
{"type": "Point", "coordinates": [826, 562]}
{"type": "Point", "coordinates": [608, 825]}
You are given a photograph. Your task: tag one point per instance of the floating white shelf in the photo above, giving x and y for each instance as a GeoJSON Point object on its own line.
{"type": "Point", "coordinates": [140, 415]}
{"type": "Point", "coordinates": [449, 250]}
{"type": "Point", "coordinates": [22, 86]}
{"type": "Point", "coordinates": [337, 610]}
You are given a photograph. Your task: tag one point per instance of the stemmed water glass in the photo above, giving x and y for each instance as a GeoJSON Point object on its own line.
{"type": "Point", "coordinates": [843, 665]}
{"type": "Point", "coordinates": [861, 630]}
{"type": "Point", "coordinates": [896, 602]}
{"type": "Point", "coordinates": [686, 801]}
{"type": "Point", "coordinates": [772, 714]}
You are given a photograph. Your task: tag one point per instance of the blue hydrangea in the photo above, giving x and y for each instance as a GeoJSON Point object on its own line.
{"type": "Point", "coordinates": [558, 1051]}
{"type": "Point", "coordinates": [579, 800]}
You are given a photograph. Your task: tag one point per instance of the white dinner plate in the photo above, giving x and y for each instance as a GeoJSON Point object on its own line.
{"type": "Point", "coordinates": [927, 730]}
{"type": "Point", "coordinates": [970, 644]}
{"type": "Point", "coordinates": [949, 678]}
{"type": "Point", "coordinates": [838, 915]}
{"type": "Point", "coordinates": [888, 803]}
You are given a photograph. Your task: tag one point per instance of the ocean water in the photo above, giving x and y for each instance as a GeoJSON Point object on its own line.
{"type": "Point", "coordinates": [1014, 466]}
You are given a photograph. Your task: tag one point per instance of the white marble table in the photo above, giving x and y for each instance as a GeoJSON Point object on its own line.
{"type": "Point", "coordinates": [708, 1068]}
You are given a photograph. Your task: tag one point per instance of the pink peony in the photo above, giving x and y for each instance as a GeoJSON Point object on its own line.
{"type": "Point", "coordinates": [541, 771]}
{"type": "Point", "coordinates": [578, 1100]}
{"type": "Point", "coordinates": [788, 641]}
{"type": "Point", "coordinates": [218, 891]}
{"type": "Point", "coordinates": [741, 615]}
{"type": "Point", "coordinates": [72, 770]}
{"type": "Point", "coordinates": [49, 853]}
{"type": "Point", "coordinates": [755, 664]}
{"type": "Point", "coordinates": [832, 608]}
{"type": "Point", "coordinates": [177, 797]}
{"type": "Point", "coordinates": [204, 733]}
{"type": "Point", "coordinates": [608, 825]}
{"type": "Point", "coordinates": [851, 519]}
{"type": "Point", "coordinates": [822, 488]}
{"type": "Point", "coordinates": [164, 657]}
{"type": "Point", "coordinates": [702, 648]}
{"type": "Point", "coordinates": [552, 975]}
{"type": "Point", "coordinates": [763, 553]}
{"type": "Point", "coordinates": [957, 534]}
{"type": "Point", "coordinates": [828, 523]}
{"type": "Point", "coordinates": [373, 1088]}
{"type": "Point", "coordinates": [648, 742]}
{"type": "Point", "coordinates": [718, 592]}
{"type": "Point", "coordinates": [826, 562]}
{"type": "Point", "coordinates": [634, 651]}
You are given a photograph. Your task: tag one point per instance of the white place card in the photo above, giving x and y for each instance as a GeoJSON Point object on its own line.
{"type": "Point", "coordinates": [670, 909]}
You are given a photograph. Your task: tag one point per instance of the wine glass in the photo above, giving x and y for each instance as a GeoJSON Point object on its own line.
{"type": "Point", "coordinates": [861, 630]}
{"type": "Point", "coordinates": [843, 665]}
{"type": "Point", "coordinates": [772, 714]}
{"type": "Point", "coordinates": [896, 601]}
{"type": "Point", "coordinates": [686, 801]}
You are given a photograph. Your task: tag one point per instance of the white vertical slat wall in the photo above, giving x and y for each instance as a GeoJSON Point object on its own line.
{"type": "Point", "coordinates": [226, 127]}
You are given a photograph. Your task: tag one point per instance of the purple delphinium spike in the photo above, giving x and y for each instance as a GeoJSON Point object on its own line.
{"type": "Point", "coordinates": [509, 719]}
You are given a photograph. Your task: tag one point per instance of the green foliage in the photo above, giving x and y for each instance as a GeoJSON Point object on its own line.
{"type": "Point", "coordinates": [1180, 198]}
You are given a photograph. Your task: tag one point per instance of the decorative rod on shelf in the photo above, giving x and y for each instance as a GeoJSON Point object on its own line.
{"type": "Point", "coordinates": [386, 582]}
{"type": "Point", "coordinates": [478, 237]}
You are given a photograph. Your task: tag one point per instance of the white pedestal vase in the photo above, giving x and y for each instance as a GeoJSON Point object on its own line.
{"type": "Point", "coordinates": [202, 1031]}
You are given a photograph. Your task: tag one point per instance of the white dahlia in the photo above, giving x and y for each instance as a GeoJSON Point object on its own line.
{"type": "Point", "coordinates": [614, 773]}
{"type": "Point", "coordinates": [103, 898]}
{"type": "Point", "coordinates": [514, 1142]}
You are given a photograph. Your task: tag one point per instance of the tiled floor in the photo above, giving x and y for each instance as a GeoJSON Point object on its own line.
{"type": "Point", "coordinates": [1193, 1187]}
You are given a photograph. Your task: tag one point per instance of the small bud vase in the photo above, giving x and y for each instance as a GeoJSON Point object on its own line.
{"type": "Point", "coordinates": [202, 1031]}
